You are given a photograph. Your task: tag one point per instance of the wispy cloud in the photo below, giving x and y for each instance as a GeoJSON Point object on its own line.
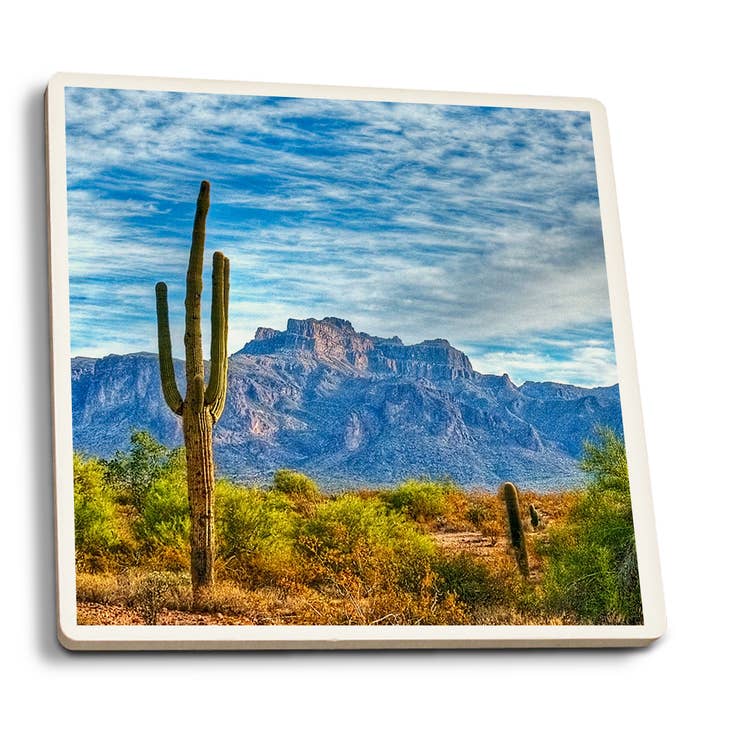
{"type": "Point", "coordinates": [480, 225]}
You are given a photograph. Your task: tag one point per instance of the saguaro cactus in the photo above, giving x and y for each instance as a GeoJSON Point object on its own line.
{"type": "Point", "coordinates": [534, 517]}
{"type": "Point", "coordinates": [516, 529]}
{"type": "Point", "coordinates": [202, 406]}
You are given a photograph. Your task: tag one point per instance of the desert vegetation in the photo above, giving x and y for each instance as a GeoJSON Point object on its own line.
{"type": "Point", "coordinates": [424, 552]}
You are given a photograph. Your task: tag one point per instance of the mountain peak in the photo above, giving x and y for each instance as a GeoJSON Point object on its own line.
{"type": "Point", "coordinates": [311, 324]}
{"type": "Point", "coordinates": [334, 341]}
{"type": "Point", "coordinates": [342, 324]}
{"type": "Point", "coordinates": [438, 342]}
{"type": "Point", "coordinates": [265, 333]}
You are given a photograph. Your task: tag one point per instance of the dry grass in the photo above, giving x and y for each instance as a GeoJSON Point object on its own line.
{"type": "Point", "coordinates": [98, 588]}
{"type": "Point", "coordinates": [105, 599]}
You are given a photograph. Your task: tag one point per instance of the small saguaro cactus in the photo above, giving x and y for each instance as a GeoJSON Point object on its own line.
{"type": "Point", "coordinates": [202, 405]}
{"type": "Point", "coordinates": [516, 529]}
{"type": "Point", "coordinates": [534, 517]}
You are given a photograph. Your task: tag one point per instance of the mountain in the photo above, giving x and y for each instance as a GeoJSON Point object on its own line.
{"type": "Point", "coordinates": [352, 409]}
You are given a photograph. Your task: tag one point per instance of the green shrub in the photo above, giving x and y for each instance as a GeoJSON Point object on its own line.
{"type": "Point", "coordinates": [471, 580]}
{"type": "Point", "coordinates": [95, 523]}
{"type": "Point", "coordinates": [163, 526]}
{"type": "Point", "coordinates": [296, 485]}
{"type": "Point", "coordinates": [485, 513]}
{"type": "Point", "coordinates": [421, 501]}
{"type": "Point", "coordinates": [255, 534]}
{"type": "Point", "coordinates": [604, 460]}
{"type": "Point", "coordinates": [591, 572]}
{"type": "Point", "coordinates": [133, 473]}
{"type": "Point", "coordinates": [356, 544]}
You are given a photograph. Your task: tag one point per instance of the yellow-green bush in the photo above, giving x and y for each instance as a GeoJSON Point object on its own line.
{"type": "Point", "coordinates": [163, 526]}
{"type": "Point", "coordinates": [474, 582]}
{"type": "Point", "coordinates": [422, 501]}
{"type": "Point", "coordinates": [96, 529]}
{"type": "Point", "coordinates": [132, 473]}
{"type": "Point", "coordinates": [255, 532]}
{"type": "Point", "coordinates": [295, 484]}
{"type": "Point", "coordinates": [354, 543]}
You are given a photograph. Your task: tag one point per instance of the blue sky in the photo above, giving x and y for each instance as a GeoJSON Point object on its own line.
{"type": "Point", "coordinates": [479, 225]}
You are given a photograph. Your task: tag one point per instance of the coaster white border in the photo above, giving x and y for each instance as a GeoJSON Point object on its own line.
{"type": "Point", "coordinates": [74, 636]}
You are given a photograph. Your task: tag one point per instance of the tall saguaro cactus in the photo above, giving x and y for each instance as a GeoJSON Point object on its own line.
{"type": "Point", "coordinates": [202, 405]}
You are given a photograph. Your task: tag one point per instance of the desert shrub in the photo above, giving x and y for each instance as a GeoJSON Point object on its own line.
{"type": "Point", "coordinates": [255, 534]}
{"type": "Point", "coordinates": [485, 513]}
{"type": "Point", "coordinates": [604, 460]}
{"type": "Point", "coordinates": [591, 572]}
{"type": "Point", "coordinates": [421, 501]}
{"type": "Point", "coordinates": [457, 504]}
{"type": "Point", "coordinates": [353, 544]}
{"type": "Point", "coordinates": [476, 513]}
{"type": "Point", "coordinates": [163, 526]}
{"type": "Point", "coordinates": [158, 590]}
{"type": "Point", "coordinates": [269, 605]}
{"type": "Point", "coordinates": [554, 506]}
{"type": "Point", "coordinates": [295, 484]}
{"type": "Point", "coordinates": [133, 473]}
{"type": "Point", "coordinates": [96, 529]}
{"type": "Point", "coordinates": [473, 582]}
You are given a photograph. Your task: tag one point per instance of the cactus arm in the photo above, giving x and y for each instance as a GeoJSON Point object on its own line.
{"type": "Point", "coordinates": [215, 393]}
{"type": "Point", "coordinates": [217, 408]}
{"type": "Point", "coordinates": [164, 348]}
{"type": "Point", "coordinates": [194, 290]}
{"type": "Point", "coordinates": [226, 288]}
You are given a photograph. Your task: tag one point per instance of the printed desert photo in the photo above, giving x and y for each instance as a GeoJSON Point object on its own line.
{"type": "Point", "coordinates": [341, 362]}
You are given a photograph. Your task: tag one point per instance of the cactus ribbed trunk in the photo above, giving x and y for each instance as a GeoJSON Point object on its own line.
{"type": "Point", "coordinates": [202, 406]}
{"type": "Point", "coordinates": [198, 432]}
{"type": "Point", "coordinates": [516, 528]}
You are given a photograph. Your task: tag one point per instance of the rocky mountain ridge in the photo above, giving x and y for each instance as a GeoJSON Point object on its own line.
{"type": "Point", "coordinates": [352, 409]}
{"type": "Point", "coordinates": [335, 341]}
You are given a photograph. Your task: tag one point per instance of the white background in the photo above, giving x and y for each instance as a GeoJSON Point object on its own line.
{"type": "Point", "coordinates": [661, 70]}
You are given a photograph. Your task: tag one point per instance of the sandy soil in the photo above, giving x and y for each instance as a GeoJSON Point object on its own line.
{"type": "Point", "coordinates": [99, 614]}
{"type": "Point", "coordinates": [471, 542]}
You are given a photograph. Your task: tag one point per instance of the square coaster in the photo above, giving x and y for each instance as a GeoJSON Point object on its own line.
{"type": "Point", "coordinates": [341, 368]}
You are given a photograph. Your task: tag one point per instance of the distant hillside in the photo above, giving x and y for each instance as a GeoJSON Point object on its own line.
{"type": "Point", "coordinates": [349, 408]}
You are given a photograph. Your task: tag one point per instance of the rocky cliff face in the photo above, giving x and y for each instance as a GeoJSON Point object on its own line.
{"type": "Point", "coordinates": [335, 341]}
{"type": "Point", "coordinates": [353, 409]}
